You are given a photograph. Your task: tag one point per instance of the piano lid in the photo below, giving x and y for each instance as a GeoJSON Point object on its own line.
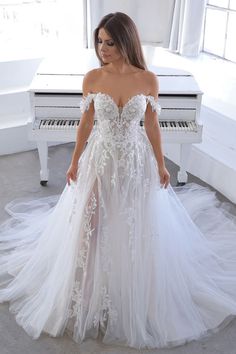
{"type": "Point", "coordinates": [66, 76]}
{"type": "Point", "coordinates": [72, 83]}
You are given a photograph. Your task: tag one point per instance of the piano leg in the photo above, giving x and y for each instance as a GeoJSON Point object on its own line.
{"type": "Point", "coordinates": [182, 176]}
{"type": "Point", "coordinates": [43, 158]}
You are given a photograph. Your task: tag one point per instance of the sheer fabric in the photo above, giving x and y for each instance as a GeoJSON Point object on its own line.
{"type": "Point", "coordinates": [149, 267]}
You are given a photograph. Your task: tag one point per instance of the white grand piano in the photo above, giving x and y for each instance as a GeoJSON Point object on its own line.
{"type": "Point", "coordinates": [55, 113]}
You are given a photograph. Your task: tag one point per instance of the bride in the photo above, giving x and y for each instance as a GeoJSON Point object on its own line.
{"type": "Point", "coordinates": [120, 252]}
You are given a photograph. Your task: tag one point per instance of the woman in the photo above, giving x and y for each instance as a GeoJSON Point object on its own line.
{"type": "Point", "coordinates": [117, 254]}
{"type": "Point", "coordinates": [123, 64]}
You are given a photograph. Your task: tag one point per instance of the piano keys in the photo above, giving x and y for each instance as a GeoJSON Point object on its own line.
{"type": "Point", "coordinates": [55, 113]}
{"type": "Point", "coordinates": [61, 124]}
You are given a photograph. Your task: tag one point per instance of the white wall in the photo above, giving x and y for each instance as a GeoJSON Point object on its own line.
{"type": "Point", "coordinates": [17, 74]}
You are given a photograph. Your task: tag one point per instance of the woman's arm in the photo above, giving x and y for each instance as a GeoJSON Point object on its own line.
{"type": "Point", "coordinates": [153, 131]}
{"type": "Point", "coordinates": [83, 130]}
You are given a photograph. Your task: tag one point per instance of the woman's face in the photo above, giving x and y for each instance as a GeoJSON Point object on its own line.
{"type": "Point", "coordinates": [107, 50]}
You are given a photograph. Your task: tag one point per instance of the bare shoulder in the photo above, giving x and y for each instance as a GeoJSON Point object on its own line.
{"type": "Point", "coordinates": [89, 79]}
{"type": "Point", "coordinates": [152, 83]}
{"type": "Point", "coordinates": [151, 77]}
{"type": "Point", "coordinates": [92, 74]}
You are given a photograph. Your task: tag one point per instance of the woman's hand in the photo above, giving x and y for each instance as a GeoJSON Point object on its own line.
{"type": "Point", "coordinates": [164, 176]}
{"type": "Point", "coordinates": [71, 174]}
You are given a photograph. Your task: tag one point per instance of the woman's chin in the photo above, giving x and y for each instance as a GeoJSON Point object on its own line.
{"type": "Point", "coordinates": [105, 59]}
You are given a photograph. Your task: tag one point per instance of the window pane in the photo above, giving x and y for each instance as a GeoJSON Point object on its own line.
{"type": "Point", "coordinates": [215, 27]}
{"type": "Point", "coordinates": [230, 52]}
{"type": "Point", "coordinates": [40, 26]}
{"type": "Point", "coordinates": [232, 4]}
{"type": "Point", "coordinates": [221, 3]}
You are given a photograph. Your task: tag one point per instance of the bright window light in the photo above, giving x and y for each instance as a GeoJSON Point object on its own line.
{"type": "Point", "coordinates": [215, 32]}
{"type": "Point", "coordinates": [220, 29]}
{"type": "Point", "coordinates": [40, 26]}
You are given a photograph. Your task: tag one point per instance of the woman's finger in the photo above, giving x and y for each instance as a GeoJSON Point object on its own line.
{"type": "Point", "coordinates": [167, 181]}
{"type": "Point", "coordinates": [69, 177]}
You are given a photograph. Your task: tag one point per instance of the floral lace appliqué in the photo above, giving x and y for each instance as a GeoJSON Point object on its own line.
{"type": "Point", "coordinates": [106, 310]}
{"type": "Point", "coordinates": [118, 131]}
{"type": "Point", "coordinates": [76, 308]}
{"type": "Point", "coordinates": [88, 231]}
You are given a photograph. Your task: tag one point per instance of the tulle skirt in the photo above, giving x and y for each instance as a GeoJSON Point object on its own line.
{"type": "Point", "coordinates": [145, 266]}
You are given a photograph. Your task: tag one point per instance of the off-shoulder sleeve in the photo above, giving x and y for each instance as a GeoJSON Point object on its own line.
{"type": "Point", "coordinates": [85, 102]}
{"type": "Point", "coordinates": [156, 107]}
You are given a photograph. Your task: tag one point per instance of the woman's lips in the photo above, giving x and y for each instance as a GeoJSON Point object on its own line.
{"type": "Point", "coordinates": [105, 55]}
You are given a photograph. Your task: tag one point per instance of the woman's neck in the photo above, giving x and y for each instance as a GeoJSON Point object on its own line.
{"type": "Point", "coordinates": [120, 68]}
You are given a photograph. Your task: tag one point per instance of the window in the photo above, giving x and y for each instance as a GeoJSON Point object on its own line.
{"type": "Point", "coordinates": [220, 29]}
{"type": "Point", "coordinates": [40, 25]}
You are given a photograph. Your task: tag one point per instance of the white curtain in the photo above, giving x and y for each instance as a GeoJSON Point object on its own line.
{"type": "Point", "coordinates": [186, 31]}
{"type": "Point", "coordinates": [152, 17]}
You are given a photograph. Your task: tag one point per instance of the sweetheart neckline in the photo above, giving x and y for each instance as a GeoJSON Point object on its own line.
{"type": "Point", "coordinates": [112, 99]}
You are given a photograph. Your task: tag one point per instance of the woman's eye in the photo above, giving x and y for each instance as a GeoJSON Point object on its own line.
{"type": "Point", "coordinates": [108, 43]}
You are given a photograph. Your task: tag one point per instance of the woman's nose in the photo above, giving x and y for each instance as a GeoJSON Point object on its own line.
{"type": "Point", "coordinates": [103, 46]}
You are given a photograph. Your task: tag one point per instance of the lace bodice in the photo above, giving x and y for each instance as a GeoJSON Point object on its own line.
{"type": "Point", "coordinates": [118, 124]}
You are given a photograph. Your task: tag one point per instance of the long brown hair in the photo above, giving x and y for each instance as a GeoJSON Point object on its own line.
{"type": "Point", "coordinates": [124, 33]}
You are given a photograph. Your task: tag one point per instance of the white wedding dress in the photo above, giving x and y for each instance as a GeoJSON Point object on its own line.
{"type": "Point", "coordinates": [116, 253]}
